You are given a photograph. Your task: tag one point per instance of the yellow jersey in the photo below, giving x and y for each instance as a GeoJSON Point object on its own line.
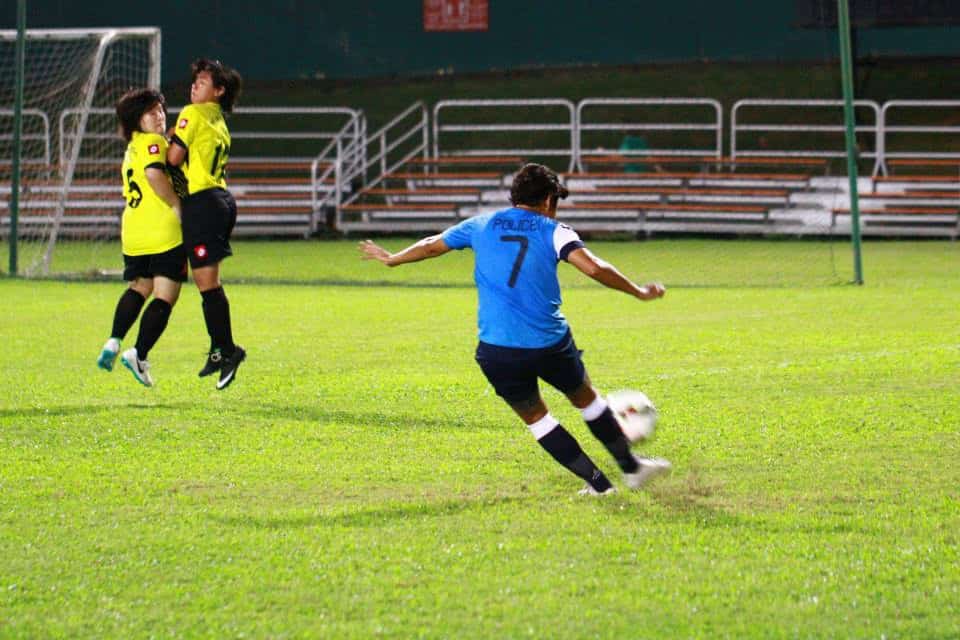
{"type": "Point", "coordinates": [149, 224]}
{"type": "Point", "coordinates": [202, 131]}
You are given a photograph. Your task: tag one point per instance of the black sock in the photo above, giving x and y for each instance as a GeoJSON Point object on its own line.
{"type": "Point", "coordinates": [607, 430]}
{"type": "Point", "coordinates": [566, 450]}
{"type": "Point", "coordinates": [152, 324]}
{"type": "Point", "coordinates": [216, 313]}
{"type": "Point", "coordinates": [128, 308]}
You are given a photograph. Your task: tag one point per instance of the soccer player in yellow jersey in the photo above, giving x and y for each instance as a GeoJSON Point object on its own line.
{"type": "Point", "coordinates": [154, 258]}
{"type": "Point", "coordinates": [201, 144]}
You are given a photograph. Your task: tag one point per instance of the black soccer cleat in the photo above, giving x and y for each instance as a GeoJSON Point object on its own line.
{"type": "Point", "coordinates": [213, 363]}
{"type": "Point", "coordinates": [228, 370]}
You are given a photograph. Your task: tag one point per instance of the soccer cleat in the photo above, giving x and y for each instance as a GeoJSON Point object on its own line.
{"type": "Point", "coordinates": [108, 355]}
{"type": "Point", "coordinates": [590, 491]}
{"type": "Point", "coordinates": [139, 368]}
{"type": "Point", "coordinates": [650, 468]}
{"type": "Point", "coordinates": [228, 370]}
{"type": "Point", "coordinates": [213, 363]}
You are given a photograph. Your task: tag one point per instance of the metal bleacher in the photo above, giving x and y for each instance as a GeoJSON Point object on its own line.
{"type": "Point", "coordinates": [277, 189]}
{"type": "Point", "coordinates": [423, 171]}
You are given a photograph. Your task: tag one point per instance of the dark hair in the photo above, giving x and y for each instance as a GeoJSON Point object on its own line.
{"type": "Point", "coordinates": [534, 183]}
{"type": "Point", "coordinates": [222, 76]}
{"type": "Point", "coordinates": [133, 104]}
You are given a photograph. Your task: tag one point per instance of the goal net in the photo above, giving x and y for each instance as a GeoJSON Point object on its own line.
{"type": "Point", "coordinates": [71, 150]}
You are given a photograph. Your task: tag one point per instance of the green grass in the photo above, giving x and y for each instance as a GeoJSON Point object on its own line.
{"type": "Point", "coordinates": [717, 263]}
{"type": "Point", "coordinates": [360, 479]}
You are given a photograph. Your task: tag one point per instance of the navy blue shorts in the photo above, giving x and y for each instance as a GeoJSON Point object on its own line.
{"type": "Point", "coordinates": [514, 372]}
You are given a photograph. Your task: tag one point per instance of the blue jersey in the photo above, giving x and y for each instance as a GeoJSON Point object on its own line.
{"type": "Point", "coordinates": [515, 270]}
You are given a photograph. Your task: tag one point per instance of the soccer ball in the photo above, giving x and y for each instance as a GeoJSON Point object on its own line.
{"type": "Point", "coordinates": [635, 413]}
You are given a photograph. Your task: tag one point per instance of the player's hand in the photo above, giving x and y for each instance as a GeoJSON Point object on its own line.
{"type": "Point", "coordinates": [651, 291]}
{"type": "Point", "coordinates": [369, 250]}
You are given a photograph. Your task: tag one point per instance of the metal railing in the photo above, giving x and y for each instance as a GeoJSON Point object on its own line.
{"type": "Point", "coordinates": [338, 159]}
{"type": "Point", "coordinates": [43, 136]}
{"type": "Point", "coordinates": [737, 128]}
{"type": "Point", "coordinates": [404, 137]}
{"type": "Point", "coordinates": [569, 126]}
{"type": "Point", "coordinates": [887, 129]}
{"type": "Point", "coordinates": [714, 125]}
{"type": "Point", "coordinates": [107, 131]}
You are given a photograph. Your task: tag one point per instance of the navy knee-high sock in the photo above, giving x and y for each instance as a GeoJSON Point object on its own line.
{"type": "Point", "coordinates": [566, 450]}
{"type": "Point", "coordinates": [606, 429]}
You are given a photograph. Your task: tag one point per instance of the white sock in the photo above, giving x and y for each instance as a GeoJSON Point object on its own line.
{"type": "Point", "coordinates": [543, 426]}
{"type": "Point", "coordinates": [593, 410]}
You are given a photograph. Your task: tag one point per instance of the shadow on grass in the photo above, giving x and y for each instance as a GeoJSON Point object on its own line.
{"type": "Point", "coordinates": [86, 409]}
{"type": "Point", "coordinates": [317, 413]}
{"type": "Point", "coordinates": [369, 517]}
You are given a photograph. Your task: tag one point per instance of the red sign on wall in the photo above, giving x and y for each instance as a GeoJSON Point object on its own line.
{"type": "Point", "coordinates": [456, 15]}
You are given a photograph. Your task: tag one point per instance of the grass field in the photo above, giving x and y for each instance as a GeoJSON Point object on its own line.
{"type": "Point", "coordinates": [361, 480]}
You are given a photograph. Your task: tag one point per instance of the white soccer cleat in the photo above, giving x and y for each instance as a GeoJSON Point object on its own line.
{"type": "Point", "coordinates": [650, 468]}
{"type": "Point", "coordinates": [590, 491]}
{"type": "Point", "coordinates": [108, 355]}
{"type": "Point", "coordinates": [139, 368]}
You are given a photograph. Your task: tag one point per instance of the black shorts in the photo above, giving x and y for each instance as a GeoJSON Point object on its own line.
{"type": "Point", "coordinates": [514, 372]}
{"type": "Point", "coordinates": [170, 264]}
{"type": "Point", "coordinates": [208, 218]}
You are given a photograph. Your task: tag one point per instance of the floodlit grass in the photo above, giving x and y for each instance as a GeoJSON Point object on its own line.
{"type": "Point", "coordinates": [360, 479]}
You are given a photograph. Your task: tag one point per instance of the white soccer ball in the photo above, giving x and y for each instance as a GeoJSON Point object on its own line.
{"type": "Point", "coordinates": [635, 413]}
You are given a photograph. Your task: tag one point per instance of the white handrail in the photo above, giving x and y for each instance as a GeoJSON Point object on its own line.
{"type": "Point", "coordinates": [109, 134]}
{"type": "Point", "coordinates": [876, 129]}
{"type": "Point", "coordinates": [332, 155]}
{"type": "Point", "coordinates": [380, 159]}
{"type": "Point", "coordinates": [45, 136]}
{"type": "Point", "coordinates": [716, 125]}
{"type": "Point", "coordinates": [570, 125]}
{"type": "Point", "coordinates": [886, 128]}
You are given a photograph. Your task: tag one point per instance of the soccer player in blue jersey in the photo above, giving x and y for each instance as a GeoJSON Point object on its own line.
{"type": "Point", "coordinates": [523, 335]}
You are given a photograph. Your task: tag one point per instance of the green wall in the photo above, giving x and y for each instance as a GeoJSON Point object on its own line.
{"type": "Point", "coordinates": [363, 38]}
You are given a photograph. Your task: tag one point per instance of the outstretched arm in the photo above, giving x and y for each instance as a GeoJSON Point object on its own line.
{"type": "Point", "coordinates": [429, 247]}
{"type": "Point", "coordinates": [607, 275]}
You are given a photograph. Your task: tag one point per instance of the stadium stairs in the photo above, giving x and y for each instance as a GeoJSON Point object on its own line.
{"type": "Point", "coordinates": [615, 194]}
{"type": "Point", "coordinates": [694, 194]}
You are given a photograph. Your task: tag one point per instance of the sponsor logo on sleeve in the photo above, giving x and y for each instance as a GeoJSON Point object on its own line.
{"type": "Point", "coordinates": [182, 124]}
{"type": "Point", "coordinates": [153, 149]}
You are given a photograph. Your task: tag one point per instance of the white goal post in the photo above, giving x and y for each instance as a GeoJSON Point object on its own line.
{"type": "Point", "coordinates": [67, 74]}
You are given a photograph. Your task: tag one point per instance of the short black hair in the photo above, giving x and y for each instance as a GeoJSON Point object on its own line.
{"type": "Point", "coordinates": [222, 76]}
{"type": "Point", "coordinates": [133, 104]}
{"type": "Point", "coordinates": [534, 183]}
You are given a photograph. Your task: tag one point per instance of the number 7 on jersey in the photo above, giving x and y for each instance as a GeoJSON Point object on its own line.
{"type": "Point", "coordinates": [518, 263]}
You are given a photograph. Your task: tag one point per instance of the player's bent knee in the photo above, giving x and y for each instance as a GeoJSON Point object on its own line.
{"type": "Point", "coordinates": [583, 396]}
{"type": "Point", "coordinates": [530, 410]}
